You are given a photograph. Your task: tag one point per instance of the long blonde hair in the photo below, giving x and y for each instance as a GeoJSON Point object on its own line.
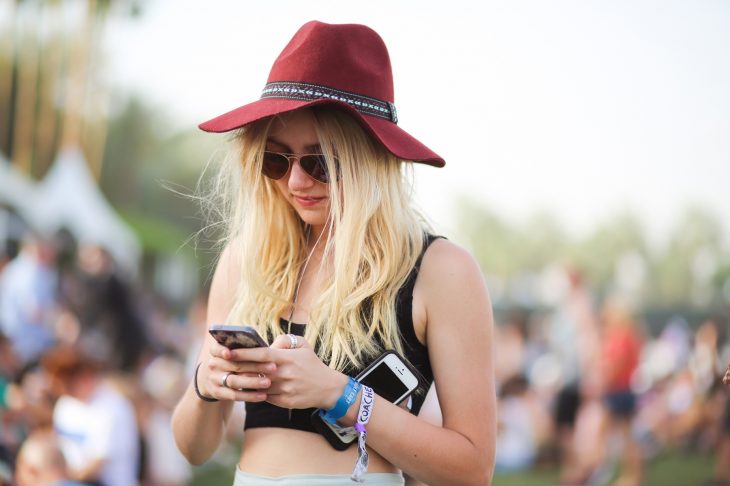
{"type": "Point", "coordinates": [374, 238]}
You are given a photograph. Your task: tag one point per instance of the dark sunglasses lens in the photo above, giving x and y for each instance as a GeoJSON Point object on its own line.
{"type": "Point", "coordinates": [315, 166]}
{"type": "Point", "coordinates": [275, 165]}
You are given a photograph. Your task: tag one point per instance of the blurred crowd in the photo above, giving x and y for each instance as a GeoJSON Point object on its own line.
{"type": "Point", "coordinates": [91, 367]}
{"type": "Point", "coordinates": [587, 387]}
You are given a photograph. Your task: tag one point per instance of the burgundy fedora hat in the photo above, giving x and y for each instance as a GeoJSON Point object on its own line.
{"type": "Point", "coordinates": [341, 64]}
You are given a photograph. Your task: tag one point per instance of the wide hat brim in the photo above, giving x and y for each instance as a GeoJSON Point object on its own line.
{"type": "Point", "coordinates": [395, 140]}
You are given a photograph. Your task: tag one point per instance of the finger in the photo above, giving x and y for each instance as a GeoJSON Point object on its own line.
{"type": "Point", "coordinates": [250, 367]}
{"type": "Point", "coordinates": [240, 367]}
{"type": "Point", "coordinates": [289, 341]}
{"type": "Point", "coordinates": [231, 390]}
{"type": "Point", "coordinates": [248, 382]}
{"type": "Point", "coordinates": [242, 395]}
{"type": "Point", "coordinates": [256, 355]}
{"type": "Point", "coordinates": [218, 350]}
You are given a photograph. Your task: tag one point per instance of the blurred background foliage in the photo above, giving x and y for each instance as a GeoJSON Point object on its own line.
{"type": "Point", "coordinates": [689, 272]}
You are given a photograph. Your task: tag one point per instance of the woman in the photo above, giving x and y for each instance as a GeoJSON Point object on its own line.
{"type": "Point", "coordinates": [326, 258]}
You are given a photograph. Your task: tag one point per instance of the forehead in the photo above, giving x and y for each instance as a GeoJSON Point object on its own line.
{"type": "Point", "coordinates": [295, 130]}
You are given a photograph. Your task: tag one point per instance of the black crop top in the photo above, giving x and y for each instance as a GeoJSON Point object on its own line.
{"type": "Point", "coordinates": [264, 414]}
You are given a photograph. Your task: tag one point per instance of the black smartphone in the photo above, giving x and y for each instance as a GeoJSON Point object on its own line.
{"type": "Point", "coordinates": [391, 377]}
{"type": "Point", "coordinates": [236, 337]}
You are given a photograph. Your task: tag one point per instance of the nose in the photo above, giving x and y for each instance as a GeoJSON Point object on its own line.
{"type": "Point", "coordinates": [298, 178]}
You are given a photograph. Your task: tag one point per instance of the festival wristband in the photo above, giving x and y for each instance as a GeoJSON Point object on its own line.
{"type": "Point", "coordinates": [363, 417]}
{"type": "Point", "coordinates": [197, 390]}
{"type": "Point", "coordinates": [348, 397]}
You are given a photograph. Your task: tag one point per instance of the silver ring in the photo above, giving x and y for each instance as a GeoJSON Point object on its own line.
{"type": "Point", "coordinates": [293, 341]}
{"type": "Point", "coordinates": [224, 381]}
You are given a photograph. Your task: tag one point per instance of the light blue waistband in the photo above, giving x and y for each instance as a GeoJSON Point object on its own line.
{"type": "Point", "coordinates": [374, 479]}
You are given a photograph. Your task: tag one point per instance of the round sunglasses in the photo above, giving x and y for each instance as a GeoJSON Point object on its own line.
{"type": "Point", "coordinates": [276, 165]}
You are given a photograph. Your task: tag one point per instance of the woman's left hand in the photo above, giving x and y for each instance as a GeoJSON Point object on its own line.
{"type": "Point", "coordinates": [301, 379]}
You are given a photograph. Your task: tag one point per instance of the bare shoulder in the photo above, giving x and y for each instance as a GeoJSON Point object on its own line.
{"type": "Point", "coordinates": [450, 290]}
{"type": "Point", "coordinates": [446, 263]}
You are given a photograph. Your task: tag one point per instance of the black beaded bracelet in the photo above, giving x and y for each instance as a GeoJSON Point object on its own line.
{"type": "Point", "coordinates": [197, 391]}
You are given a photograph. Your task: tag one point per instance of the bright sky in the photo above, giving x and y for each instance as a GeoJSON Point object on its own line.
{"type": "Point", "coordinates": [582, 108]}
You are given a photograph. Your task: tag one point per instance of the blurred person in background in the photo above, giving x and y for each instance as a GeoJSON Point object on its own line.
{"type": "Point", "coordinates": [27, 404]}
{"type": "Point", "coordinates": [28, 299]}
{"type": "Point", "coordinates": [510, 339]}
{"type": "Point", "coordinates": [163, 381]}
{"type": "Point", "coordinates": [704, 359]}
{"type": "Point", "coordinates": [522, 426]}
{"type": "Point", "coordinates": [705, 367]}
{"type": "Point", "coordinates": [24, 399]}
{"type": "Point", "coordinates": [40, 462]}
{"type": "Point", "coordinates": [95, 423]}
{"type": "Point", "coordinates": [112, 326]}
{"type": "Point", "coordinates": [573, 339]}
{"type": "Point", "coordinates": [620, 354]}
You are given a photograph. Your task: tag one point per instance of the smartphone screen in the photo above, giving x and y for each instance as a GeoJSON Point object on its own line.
{"type": "Point", "coordinates": [383, 380]}
{"type": "Point", "coordinates": [390, 377]}
{"type": "Point", "coordinates": [235, 337]}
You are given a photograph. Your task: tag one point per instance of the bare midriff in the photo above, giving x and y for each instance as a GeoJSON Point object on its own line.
{"type": "Point", "coordinates": [277, 452]}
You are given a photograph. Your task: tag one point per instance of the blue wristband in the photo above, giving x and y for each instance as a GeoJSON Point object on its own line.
{"type": "Point", "coordinates": [343, 404]}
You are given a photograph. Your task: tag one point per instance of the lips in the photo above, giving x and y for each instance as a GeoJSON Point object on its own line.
{"type": "Point", "coordinates": [307, 201]}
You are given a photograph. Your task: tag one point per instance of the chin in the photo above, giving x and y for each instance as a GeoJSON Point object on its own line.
{"type": "Point", "coordinates": [312, 218]}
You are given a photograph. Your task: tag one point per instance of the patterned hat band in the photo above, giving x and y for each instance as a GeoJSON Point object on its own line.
{"type": "Point", "coordinates": [309, 92]}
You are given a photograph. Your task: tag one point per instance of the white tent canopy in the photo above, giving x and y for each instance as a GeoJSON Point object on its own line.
{"type": "Point", "coordinates": [68, 197]}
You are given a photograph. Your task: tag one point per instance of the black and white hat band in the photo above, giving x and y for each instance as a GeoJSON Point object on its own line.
{"type": "Point", "coordinates": [309, 92]}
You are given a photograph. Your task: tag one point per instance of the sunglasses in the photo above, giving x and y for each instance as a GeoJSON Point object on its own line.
{"type": "Point", "coordinates": [276, 165]}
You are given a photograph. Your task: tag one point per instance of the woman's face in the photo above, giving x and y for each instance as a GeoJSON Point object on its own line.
{"type": "Point", "coordinates": [294, 133]}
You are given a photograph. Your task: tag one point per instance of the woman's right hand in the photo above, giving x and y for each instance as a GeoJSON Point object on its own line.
{"type": "Point", "coordinates": [247, 371]}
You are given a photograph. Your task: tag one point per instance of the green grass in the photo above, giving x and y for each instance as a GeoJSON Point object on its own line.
{"type": "Point", "coordinates": [668, 469]}
{"type": "Point", "coordinates": [213, 474]}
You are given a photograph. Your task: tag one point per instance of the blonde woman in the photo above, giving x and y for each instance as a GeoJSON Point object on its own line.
{"type": "Point", "coordinates": [328, 261]}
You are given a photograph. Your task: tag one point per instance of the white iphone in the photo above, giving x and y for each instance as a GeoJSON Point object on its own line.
{"type": "Point", "coordinates": [390, 377]}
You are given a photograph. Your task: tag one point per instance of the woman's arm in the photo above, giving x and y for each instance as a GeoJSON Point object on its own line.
{"type": "Point", "coordinates": [459, 338]}
{"type": "Point", "coordinates": [199, 426]}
